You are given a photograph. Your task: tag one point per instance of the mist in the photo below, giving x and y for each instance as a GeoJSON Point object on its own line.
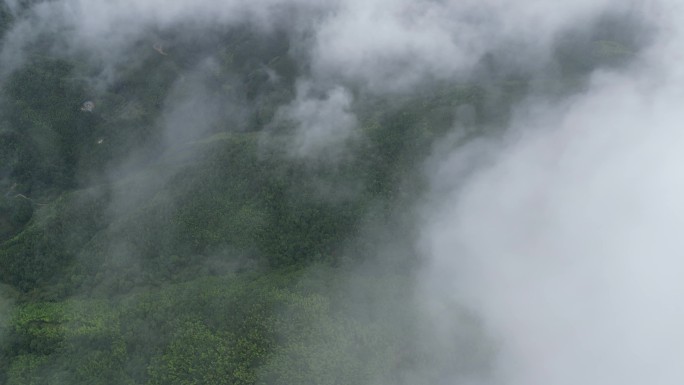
{"type": "Point", "coordinates": [456, 192]}
{"type": "Point", "coordinates": [564, 239]}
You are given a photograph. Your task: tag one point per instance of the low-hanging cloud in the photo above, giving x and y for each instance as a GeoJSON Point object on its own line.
{"type": "Point", "coordinates": [388, 45]}
{"type": "Point", "coordinates": [394, 45]}
{"type": "Point", "coordinates": [565, 242]}
{"type": "Point", "coordinates": [324, 123]}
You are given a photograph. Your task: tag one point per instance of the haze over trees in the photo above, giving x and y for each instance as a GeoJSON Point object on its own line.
{"type": "Point", "coordinates": [213, 192]}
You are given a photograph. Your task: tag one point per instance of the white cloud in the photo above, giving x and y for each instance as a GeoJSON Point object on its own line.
{"type": "Point", "coordinates": [324, 123]}
{"type": "Point", "coordinates": [567, 242]}
{"type": "Point", "coordinates": [394, 45]}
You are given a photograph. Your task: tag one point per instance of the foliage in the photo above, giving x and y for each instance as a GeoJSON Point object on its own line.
{"type": "Point", "coordinates": [236, 329]}
{"type": "Point", "coordinates": [219, 258]}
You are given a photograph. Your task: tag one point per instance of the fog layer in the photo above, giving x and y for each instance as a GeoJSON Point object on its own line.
{"type": "Point", "coordinates": [565, 240]}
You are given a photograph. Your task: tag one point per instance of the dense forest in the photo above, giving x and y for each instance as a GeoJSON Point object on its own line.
{"type": "Point", "coordinates": [166, 217]}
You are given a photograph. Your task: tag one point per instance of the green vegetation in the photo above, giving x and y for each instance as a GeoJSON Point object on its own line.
{"type": "Point", "coordinates": [244, 328]}
{"type": "Point", "coordinates": [134, 258]}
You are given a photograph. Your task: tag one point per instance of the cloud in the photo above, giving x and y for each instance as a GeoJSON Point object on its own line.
{"type": "Point", "coordinates": [324, 122]}
{"type": "Point", "coordinates": [386, 45]}
{"type": "Point", "coordinates": [565, 240]}
{"type": "Point", "coordinates": [103, 32]}
{"type": "Point", "coordinates": [193, 108]}
{"type": "Point", "coordinates": [394, 45]}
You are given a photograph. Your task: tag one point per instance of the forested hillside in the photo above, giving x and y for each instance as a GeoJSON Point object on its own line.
{"type": "Point", "coordinates": [194, 203]}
